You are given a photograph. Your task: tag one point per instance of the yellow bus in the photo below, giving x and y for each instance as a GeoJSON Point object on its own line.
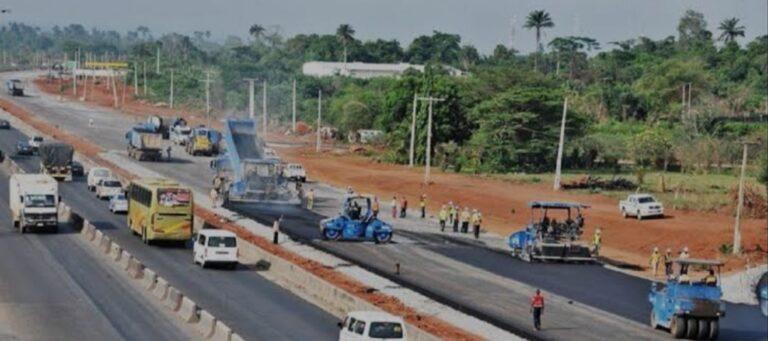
{"type": "Point", "coordinates": [160, 209]}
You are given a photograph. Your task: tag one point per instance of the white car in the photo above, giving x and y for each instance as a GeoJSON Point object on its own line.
{"type": "Point", "coordinates": [371, 325]}
{"type": "Point", "coordinates": [118, 203]}
{"type": "Point", "coordinates": [295, 172]}
{"type": "Point", "coordinates": [180, 134]}
{"type": "Point", "coordinates": [641, 206]}
{"type": "Point", "coordinates": [97, 174]}
{"type": "Point", "coordinates": [108, 188]}
{"type": "Point", "coordinates": [215, 247]}
{"type": "Point", "coordinates": [35, 142]}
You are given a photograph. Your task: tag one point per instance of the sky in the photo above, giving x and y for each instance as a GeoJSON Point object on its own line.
{"type": "Point", "coordinates": [482, 23]}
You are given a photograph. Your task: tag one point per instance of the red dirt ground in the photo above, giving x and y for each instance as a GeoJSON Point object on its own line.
{"type": "Point", "coordinates": [504, 204]}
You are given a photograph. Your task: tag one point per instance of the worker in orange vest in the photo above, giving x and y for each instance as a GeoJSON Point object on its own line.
{"type": "Point", "coordinates": [537, 308]}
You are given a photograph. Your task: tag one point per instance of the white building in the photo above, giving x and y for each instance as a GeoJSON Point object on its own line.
{"type": "Point", "coordinates": [363, 70]}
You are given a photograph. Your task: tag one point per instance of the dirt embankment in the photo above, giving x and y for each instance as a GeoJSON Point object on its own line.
{"type": "Point", "coordinates": [504, 204]}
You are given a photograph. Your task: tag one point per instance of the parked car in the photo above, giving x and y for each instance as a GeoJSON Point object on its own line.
{"type": "Point", "coordinates": [180, 134]}
{"type": "Point", "coordinates": [4, 124]}
{"type": "Point", "coordinates": [118, 203]}
{"type": "Point", "coordinates": [23, 148]}
{"type": "Point", "coordinates": [371, 325]}
{"type": "Point", "coordinates": [641, 206]}
{"type": "Point", "coordinates": [215, 247]}
{"type": "Point", "coordinates": [77, 168]}
{"type": "Point", "coordinates": [95, 175]}
{"type": "Point", "coordinates": [107, 188]}
{"type": "Point", "coordinates": [295, 172]}
{"type": "Point", "coordinates": [35, 142]}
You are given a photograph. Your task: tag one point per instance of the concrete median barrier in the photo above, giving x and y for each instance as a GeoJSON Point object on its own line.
{"type": "Point", "coordinates": [206, 324]}
{"type": "Point", "coordinates": [135, 269]}
{"type": "Point", "coordinates": [97, 236]}
{"type": "Point", "coordinates": [236, 337]}
{"type": "Point", "coordinates": [221, 332]}
{"type": "Point", "coordinates": [105, 244]}
{"type": "Point", "coordinates": [161, 288]}
{"type": "Point", "coordinates": [149, 280]}
{"type": "Point", "coordinates": [173, 299]}
{"type": "Point", "coordinates": [88, 230]}
{"type": "Point", "coordinates": [188, 310]}
{"type": "Point", "coordinates": [115, 251]}
{"type": "Point", "coordinates": [125, 260]}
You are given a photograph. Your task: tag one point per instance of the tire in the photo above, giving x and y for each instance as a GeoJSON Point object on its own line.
{"type": "Point", "coordinates": [654, 325]}
{"type": "Point", "coordinates": [22, 229]}
{"type": "Point", "coordinates": [639, 217]}
{"type": "Point", "coordinates": [525, 254]}
{"type": "Point", "coordinates": [714, 329]}
{"type": "Point", "coordinates": [677, 327]}
{"type": "Point", "coordinates": [144, 235]}
{"type": "Point", "coordinates": [331, 234]}
{"type": "Point", "coordinates": [703, 333]}
{"type": "Point", "coordinates": [383, 237]}
{"type": "Point", "coordinates": [624, 213]}
{"type": "Point", "coordinates": [692, 328]}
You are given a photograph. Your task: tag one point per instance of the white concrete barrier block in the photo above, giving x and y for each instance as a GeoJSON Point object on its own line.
{"type": "Point", "coordinates": [125, 260]}
{"type": "Point", "coordinates": [97, 236]}
{"type": "Point", "coordinates": [188, 310]}
{"type": "Point", "coordinates": [206, 324]}
{"type": "Point", "coordinates": [236, 337]}
{"type": "Point", "coordinates": [221, 332]}
{"type": "Point", "coordinates": [105, 244]}
{"type": "Point", "coordinates": [149, 280]}
{"type": "Point", "coordinates": [115, 251]}
{"type": "Point", "coordinates": [173, 298]}
{"type": "Point", "coordinates": [135, 269]}
{"type": "Point", "coordinates": [161, 288]}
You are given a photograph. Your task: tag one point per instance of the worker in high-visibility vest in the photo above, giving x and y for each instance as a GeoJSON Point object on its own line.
{"type": "Point", "coordinates": [476, 220]}
{"type": "Point", "coordinates": [442, 216]}
{"type": "Point", "coordinates": [310, 198]}
{"type": "Point", "coordinates": [597, 240]}
{"type": "Point", "coordinates": [423, 205]}
{"type": "Point", "coordinates": [654, 261]}
{"type": "Point", "coordinates": [465, 216]}
{"type": "Point", "coordinates": [537, 308]}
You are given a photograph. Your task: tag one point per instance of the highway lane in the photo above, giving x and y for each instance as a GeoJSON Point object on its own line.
{"type": "Point", "coordinates": [596, 286]}
{"type": "Point", "coordinates": [52, 286]}
{"type": "Point", "coordinates": [251, 305]}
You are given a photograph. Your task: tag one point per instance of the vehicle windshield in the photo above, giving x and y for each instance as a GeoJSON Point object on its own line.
{"type": "Point", "coordinates": [111, 183]}
{"type": "Point", "coordinates": [645, 200]}
{"type": "Point", "coordinates": [119, 197]}
{"type": "Point", "coordinates": [216, 241]}
{"type": "Point", "coordinates": [386, 330]}
{"type": "Point", "coordinates": [101, 173]}
{"type": "Point", "coordinates": [40, 200]}
{"type": "Point", "coordinates": [37, 139]}
{"type": "Point", "coordinates": [185, 131]}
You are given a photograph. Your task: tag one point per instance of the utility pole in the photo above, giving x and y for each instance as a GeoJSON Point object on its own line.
{"type": "Point", "coordinates": [157, 61]}
{"type": "Point", "coordinates": [430, 100]}
{"type": "Point", "coordinates": [264, 110]}
{"type": "Point", "coordinates": [413, 130]}
{"type": "Point", "coordinates": [208, 96]}
{"type": "Point", "coordinates": [737, 224]}
{"type": "Point", "coordinates": [145, 78]}
{"type": "Point", "coordinates": [251, 105]}
{"type": "Point", "coordinates": [135, 79]}
{"type": "Point", "coordinates": [293, 117]}
{"type": "Point", "coordinates": [559, 164]}
{"type": "Point", "coordinates": [114, 87]}
{"type": "Point", "coordinates": [170, 101]}
{"type": "Point", "coordinates": [319, 116]}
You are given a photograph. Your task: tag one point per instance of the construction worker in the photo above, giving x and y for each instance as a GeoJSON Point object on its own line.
{"type": "Point", "coordinates": [375, 207]}
{"type": "Point", "coordinates": [214, 197]}
{"type": "Point", "coordinates": [477, 218]}
{"type": "Point", "coordinates": [455, 212]}
{"type": "Point", "coordinates": [423, 205]}
{"type": "Point", "coordinates": [711, 279]}
{"type": "Point", "coordinates": [667, 258]}
{"type": "Point", "coordinates": [465, 216]}
{"type": "Point", "coordinates": [537, 308]}
{"type": "Point", "coordinates": [276, 230]}
{"type": "Point", "coordinates": [394, 206]}
{"type": "Point", "coordinates": [310, 198]}
{"type": "Point", "coordinates": [684, 255]}
{"type": "Point", "coordinates": [442, 216]}
{"type": "Point", "coordinates": [597, 240]}
{"type": "Point", "coordinates": [654, 261]}
{"type": "Point", "coordinates": [168, 152]}
{"type": "Point", "coordinates": [403, 207]}
{"type": "Point", "coordinates": [451, 212]}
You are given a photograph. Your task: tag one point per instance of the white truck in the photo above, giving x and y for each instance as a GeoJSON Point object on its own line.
{"type": "Point", "coordinates": [641, 206]}
{"type": "Point", "coordinates": [295, 172]}
{"type": "Point", "coordinates": [34, 202]}
{"type": "Point", "coordinates": [180, 134]}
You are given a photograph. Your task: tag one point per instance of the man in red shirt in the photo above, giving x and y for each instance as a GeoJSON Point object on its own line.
{"type": "Point", "coordinates": [537, 307]}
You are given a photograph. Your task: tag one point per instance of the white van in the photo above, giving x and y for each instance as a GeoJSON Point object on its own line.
{"type": "Point", "coordinates": [371, 325]}
{"type": "Point", "coordinates": [215, 247]}
{"type": "Point", "coordinates": [97, 174]}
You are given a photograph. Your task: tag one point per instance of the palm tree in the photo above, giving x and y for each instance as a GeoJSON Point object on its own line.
{"type": "Point", "coordinates": [345, 34]}
{"type": "Point", "coordinates": [731, 29]}
{"type": "Point", "coordinates": [538, 20]}
{"type": "Point", "coordinates": [256, 31]}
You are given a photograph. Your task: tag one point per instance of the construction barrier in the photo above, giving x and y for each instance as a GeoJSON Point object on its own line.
{"type": "Point", "coordinates": [135, 269]}
{"type": "Point", "coordinates": [221, 332]}
{"type": "Point", "coordinates": [187, 310]}
{"type": "Point", "coordinates": [173, 299]}
{"type": "Point", "coordinates": [206, 324]}
{"type": "Point", "coordinates": [115, 251]}
{"type": "Point", "coordinates": [236, 337]}
{"type": "Point", "coordinates": [105, 244]}
{"type": "Point", "coordinates": [125, 260]}
{"type": "Point", "coordinates": [149, 280]}
{"type": "Point", "coordinates": [161, 288]}
{"type": "Point", "coordinates": [97, 237]}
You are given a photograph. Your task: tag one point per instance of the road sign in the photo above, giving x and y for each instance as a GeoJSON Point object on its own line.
{"type": "Point", "coordinates": [107, 65]}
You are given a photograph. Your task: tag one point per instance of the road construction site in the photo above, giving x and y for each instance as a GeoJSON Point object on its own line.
{"type": "Point", "coordinates": [467, 276]}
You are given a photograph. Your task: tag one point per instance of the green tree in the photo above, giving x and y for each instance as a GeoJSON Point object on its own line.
{"type": "Point", "coordinates": [538, 20]}
{"type": "Point", "coordinates": [730, 30]}
{"type": "Point", "coordinates": [345, 33]}
{"type": "Point", "coordinates": [256, 31]}
{"type": "Point", "coordinates": [692, 30]}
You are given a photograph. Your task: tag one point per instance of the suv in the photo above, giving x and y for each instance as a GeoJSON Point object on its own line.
{"type": "Point", "coordinates": [371, 325]}
{"type": "Point", "coordinates": [641, 206]}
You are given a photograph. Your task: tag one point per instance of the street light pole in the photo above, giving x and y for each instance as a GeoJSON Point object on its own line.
{"type": "Point", "coordinates": [319, 116]}
{"type": "Point", "coordinates": [428, 160]}
{"type": "Point", "coordinates": [264, 111]}
{"type": "Point", "coordinates": [171, 99]}
{"type": "Point", "coordinates": [413, 130]}
{"type": "Point", "coordinates": [251, 105]}
{"type": "Point", "coordinates": [293, 117]}
{"type": "Point", "coordinates": [559, 163]}
{"type": "Point", "coordinates": [737, 224]}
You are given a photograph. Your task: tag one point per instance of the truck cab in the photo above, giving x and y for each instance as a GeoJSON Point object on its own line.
{"type": "Point", "coordinates": [199, 142]}
{"type": "Point", "coordinates": [34, 202]}
{"type": "Point", "coordinates": [15, 87]}
{"type": "Point", "coordinates": [180, 134]}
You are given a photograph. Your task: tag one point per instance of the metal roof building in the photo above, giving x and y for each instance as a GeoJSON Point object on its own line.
{"type": "Point", "coordinates": [363, 70]}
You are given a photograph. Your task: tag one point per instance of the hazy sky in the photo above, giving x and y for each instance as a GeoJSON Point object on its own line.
{"type": "Point", "coordinates": [483, 23]}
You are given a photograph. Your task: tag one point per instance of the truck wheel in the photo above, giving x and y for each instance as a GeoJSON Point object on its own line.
{"type": "Point", "coordinates": [331, 234]}
{"type": "Point", "coordinates": [654, 325]}
{"type": "Point", "coordinates": [639, 217]}
{"type": "Point", "coordinates": [383, 237]}
{"type": "Point", "coordinates": [703, 333]}
{"type": "Point", "coordinates": [692, 328]}
{"type": "Point", "coordinates": [624, 213]}
{"type": "Point", "coordinates": [714, 329]}
{"type": "Point", "coordinates": [677, 327]}
{"type": "Point", "coordinates": [525, 254]}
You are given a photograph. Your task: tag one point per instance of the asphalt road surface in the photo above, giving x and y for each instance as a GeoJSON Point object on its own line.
{"type": "Point", "coordinates": [251, 305]}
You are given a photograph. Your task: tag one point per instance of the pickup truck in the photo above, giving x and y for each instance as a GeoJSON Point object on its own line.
{"type": "Point", "coordinates": [295, 172]}
{"type": "Point", "coordinates": [641, 206]}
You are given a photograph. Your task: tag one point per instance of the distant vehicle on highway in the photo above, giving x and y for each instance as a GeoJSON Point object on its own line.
{"type": "Point", "coordinates": [294, 172]}
{"type": "Point", "coordinates": [95, 175]}
{"type": "Point", "coordinates": [641, 206]}
{"type": "Point", "coordinates": [23, 148]}
{"type": "Point", "coordinates": [15, 87]}
{"type": "Point", "coordinates": [34, 201]}
{"type": "Point", "coordinates": [160, 209]}
{"type": "Point", "coordinates": [35, 142]}
{"type": "Point", "coordinates": [4, 124]}
{"type": "Point", "coordinates": [689, 307]}
{"type": "Point", "coordinates": [215, 247]}
{"type": "Point", "coordinates": [55, 159]}
{"type": "Point", "coordinates": [77, 168]}
{"type": "Point", "coordinates": [356, 222]}
{"type": "Point", "coordinates": [107, 188]}
{"type": "Point", "coordinates": [118, 203]}
{"type": "Point", "coordinates": [371, 325]}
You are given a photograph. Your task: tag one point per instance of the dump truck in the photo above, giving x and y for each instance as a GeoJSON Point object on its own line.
{"type": "Point", "coordinates": [56, 159]}
{"type": "Point", "coordinates": [15, 87]}
{"type": "Point", "coordinates": [158, 125]}
{"type": "Point", "coordinates": [34, 202]}
{"type": "Point", "coordinates": [144, 143]}
{"type": "Point", "coordinates": [199, 142]}
{"type": "Point", "coordinates": [546, 239]}
{"type": "Point", "coordinates": [244, 174]}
